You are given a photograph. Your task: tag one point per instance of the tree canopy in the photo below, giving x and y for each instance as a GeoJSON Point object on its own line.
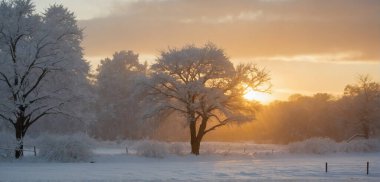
{"type": "Point", "coordinates": [202, 84]}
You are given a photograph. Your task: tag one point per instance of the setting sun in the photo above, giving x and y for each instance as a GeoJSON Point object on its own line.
{"type": "Point", "coordinates": [261, 97]}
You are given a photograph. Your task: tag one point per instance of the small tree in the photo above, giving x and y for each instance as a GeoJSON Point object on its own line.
{"type": "Point", "coordinates": [203, 85]}
{"type": "Point", "coordinates": [40, 64]}
{"type": "Point", "coordinates": [364, 104]}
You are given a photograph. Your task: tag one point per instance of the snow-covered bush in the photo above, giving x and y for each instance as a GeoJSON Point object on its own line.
{"type": "Point", "coordinates": [363, 145]}
{"type": "Point", "coordinates": [314, 146]}
{"type": "Point", "coordinates": [210, 148]}
{"type": "Point", "coordinates": [7, 142]}
{"type": "Point", "coordinates": [66, 148]}
{"type": "Point", "coordinates": [178, 148]}
{"type": "Point", "coordinates": [149, 148]}
{"type": "Point", "coordinates": [326, 145]}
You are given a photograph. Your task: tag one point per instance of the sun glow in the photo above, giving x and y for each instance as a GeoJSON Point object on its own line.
{"type": "Point", "coordinates": [261, 97]}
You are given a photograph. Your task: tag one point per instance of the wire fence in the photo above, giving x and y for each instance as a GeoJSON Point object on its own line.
{"type": "Point", "coordinates": [360, 168]}
{"type": "Point", "coordinates": [26, 148]}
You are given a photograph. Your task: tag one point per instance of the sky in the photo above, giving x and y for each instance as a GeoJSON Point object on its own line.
{"type": "Point", "coordinates": [309, 46]}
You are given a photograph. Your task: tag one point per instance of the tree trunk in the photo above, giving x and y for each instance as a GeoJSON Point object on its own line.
{"type": "Point", "coordinates": [197, 138]}
{"type": "Point", "coordinates": [195, 146]}
{"type": "Point", "coordinates": [365, 124]}
{"type": "Point", "coordinates": [20, 143]}
{"type": "Point", "coordinates": [19, 127]}
{"type": "Point", "coordinates": [365, 130]}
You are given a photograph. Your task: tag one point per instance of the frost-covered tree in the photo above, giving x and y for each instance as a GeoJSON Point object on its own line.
{"type": "Point", "coordinates": [202, 84]}
{"type": "Point", "coordinates": [362, 104]}
{"type": "Point", "coordinates": [41, 65]}
{"type": "Point", "coordinates": [117, 104]}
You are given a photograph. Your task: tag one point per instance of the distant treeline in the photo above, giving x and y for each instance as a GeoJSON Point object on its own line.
{"type": "Point", "coordinates": [118, 112]}
{"type": "Point", "coordinates": [356, 112]}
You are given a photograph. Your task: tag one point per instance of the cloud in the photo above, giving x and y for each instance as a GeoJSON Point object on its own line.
{"type": "Point", "coordinates": [335, 58]}
{"type": "Point", "coordinates": [229, 18]}
{"type": "Point", "coordinates": [244, 28]}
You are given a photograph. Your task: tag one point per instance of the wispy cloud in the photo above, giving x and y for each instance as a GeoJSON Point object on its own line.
{"type": "Point", "coordinates": [353, 57]}
{"type": "Point", "coordinates": [229, 18]}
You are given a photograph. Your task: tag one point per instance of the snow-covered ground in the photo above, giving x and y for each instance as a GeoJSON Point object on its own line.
{"type": "Point", "coordinates": [219, 162]}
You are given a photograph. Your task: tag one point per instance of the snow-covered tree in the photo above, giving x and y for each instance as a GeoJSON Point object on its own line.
{"type": "Point", "coordinates": [203, 85]}
{"type": "Point", "coordinates": [41, 65]}
{"type": "Point", "coordinates": [117, 104]}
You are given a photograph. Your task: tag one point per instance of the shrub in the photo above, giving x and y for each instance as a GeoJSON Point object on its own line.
{"type": "Point", "coordinates": [67, 148]}
{"type": "Point", "coordinates": [362, 145]}
{"type": "Point", "coordinates": [154, 149]}
{"type": "Point", "coordinates": [314, 146]}
{"type": "Point", "coordinates": [210, 148]}
{"type": "Point", "coordinates": [326, 145]}
{"type": "Point", "coordinates": [177, 148]}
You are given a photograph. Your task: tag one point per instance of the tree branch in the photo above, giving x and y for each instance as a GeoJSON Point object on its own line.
{"type": "Point", "coordinates": [8, 119]}
{"type": "Point", "coordinates": [46, 112]}
{"type": "Point", "coordinates": [42, 75]}
{"type": "Point", "coordinates": [214, 127]}
{"type": "Point", "coordinates": [221, 123]}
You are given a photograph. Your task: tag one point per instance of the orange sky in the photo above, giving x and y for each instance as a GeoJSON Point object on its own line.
{"type": "Point", "coordinates": [309, 46]}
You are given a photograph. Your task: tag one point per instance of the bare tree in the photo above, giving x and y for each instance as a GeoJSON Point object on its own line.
{"type": "Point", "coordinates": [40, 64]}
{"type": "Point", "coordinates": [203, 85]}
{"type": "Point", "coordinates": [364, 104]}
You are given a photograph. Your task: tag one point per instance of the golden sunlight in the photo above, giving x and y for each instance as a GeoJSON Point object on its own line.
{"type": "Point", "coordinates": [261, 97]}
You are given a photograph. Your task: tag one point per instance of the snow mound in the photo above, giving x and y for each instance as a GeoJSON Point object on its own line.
{"type": "Point", "coordinates": [326, 145]}
{"type": "Point", "coordinates": [66, 148]}
{"type": "Point", "coordinates": [153, 149]}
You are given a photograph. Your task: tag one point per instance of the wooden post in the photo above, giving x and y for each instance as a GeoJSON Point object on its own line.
{"type": "Point", "coordinates": [34, 150]}
{"type": "Point", "coordinates": [326, 167]}
{"type": "Point", "coordinates": [367, 167]}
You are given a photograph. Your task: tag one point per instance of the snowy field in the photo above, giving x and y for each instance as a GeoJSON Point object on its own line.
{"type": "Point", "coordinates": [217, 162]}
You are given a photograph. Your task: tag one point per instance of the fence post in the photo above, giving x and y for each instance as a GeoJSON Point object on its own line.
{"type": "Point", "coordinates": [326, 167]}
{"type": "Point", "coordinates": [367, 167]}
{"type": "Point", "coordinates": [34, 150]}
